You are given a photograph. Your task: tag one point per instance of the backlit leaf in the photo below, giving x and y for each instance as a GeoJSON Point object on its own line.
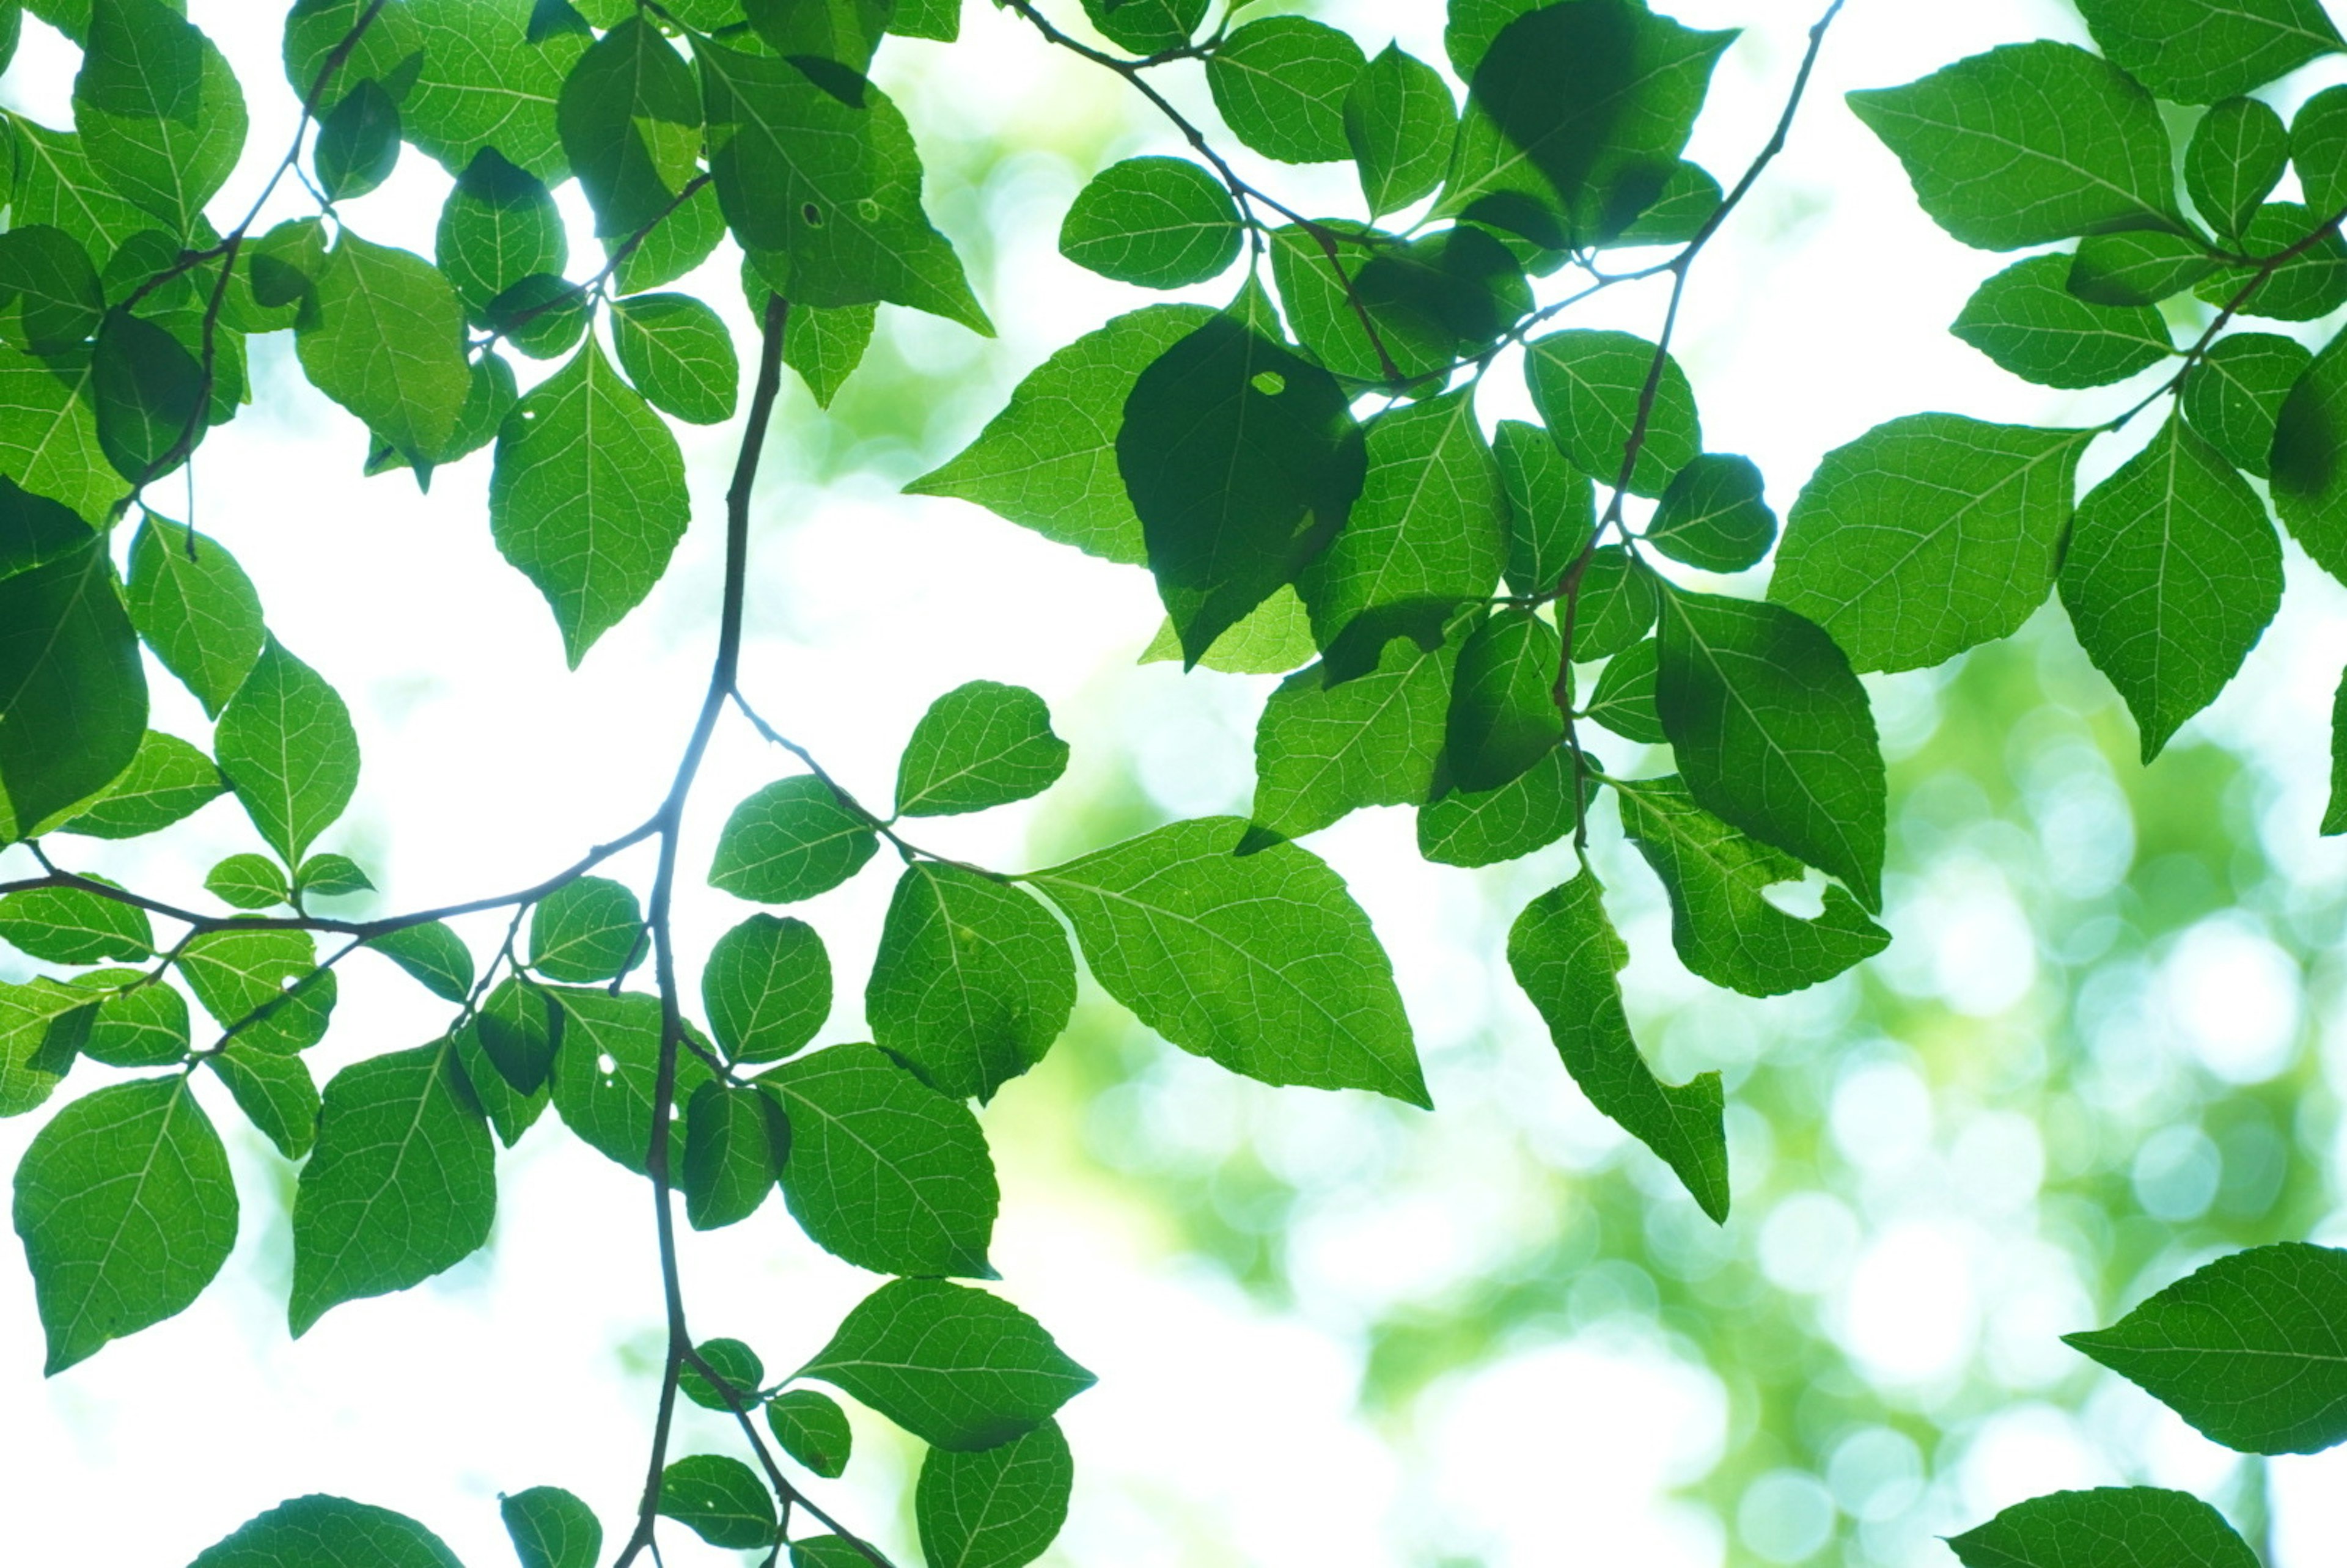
{"type": "Point", "coordinates": [1587, 385]}
{"type": "Point", "coordinates": [767, 987]}
{"type": "Point", "coordinates": [2125, 1527]}
{"type": "Point", "coordinates": [981, 744]}
{"type": "Point", "coordinates": [195, 609]}
{"type": "Point", "coordinates": [1281, 83]}
{"type": "Point", "coordinates": [286, 744]}
{"type": "Point", "coordinates": [1161, 223]}
{"type": "Point", "coordinates": [2026, 318]}
{"type": "Point", "coordinates": [791, 840]}
{"type": "Point", "coordinates": [973, 981]}
{"type": "Point", "coordinates": [998, 1508]}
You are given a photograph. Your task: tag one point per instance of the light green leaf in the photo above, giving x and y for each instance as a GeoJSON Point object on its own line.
{"type": "Point", "coordinates": [1624, 701]}
{"type": "Point", "coordinates": [484, 83]}
{"type": "Point", "coordinates": [1722, 927]}
{"type": "Point", "coordinates": [2028, 143]}
{"type": "Point", "coordinates": [1552, 507]}
{"type": "Point", "coordinates": [1398, 122]}
{"type": "Point", "coordinates": [48, 276]}
{"type": "Point", "coordinates": [767, 987]}
{"type": "Point", "coordinates": [972, 983]}
{"type": "Point", "coordinates": [329, 1532]}
{"type": "Point", "coordinates": [587, 930]}
{"type": "Point", "coordinates": [610, 1107]}
{"type": "Point", "coordinates": [1161, 223]}
{"type": "Point", "coordinates": [275, 1092]}
{"type": "Point", "coordinates": [74, 926]}
{"type": "Point", "coordinates": [2170, 575]}
{"type": "Point", "coordinates": [139, 1023]}
{"type": "Point", "coordinates": [2334, 815]}
{"type": "Point", "coordinates": [1529, 812]}
{"type": "Point", "coordinates": [551, 1528]}
{"type": "Point", "coordinates": [510, 1111]}
{"type": "Point", "coordinates": [791, 840]}
{"type": "Point", "coordinates": [825, 346]}
{"type": "Point", "coordinates": [1715, 515]}
{"type": "Point", "coordinates": [1565, 955]}
{"type": "Point", "coordinates": [981, 744]}
{"type": "Point", "coordinates": [827, 1552]}
{"type": "Point", "coordinates": [884, 1171]}
{"type": "Point", "coordinates": [1928, 535]}
{"type": "Point", "coordinates": [845, 32]}
{"type": "Point", "coordinates": [587, 496]}
{"type": "Point", "coordinates": [2311, 284]}
{"type": "Point", "coordinates": [286, 744]}
{"type": "Point", "coordinates": [2137, 268]}
{"type": "Point", "coordinates": [813, 1430]}
{"type": "Point", "coordinates": [383, 336]}
{"type": "Point", "coordinates": [1281, 83]}
{"type": "Point", "coordinates": [167, 780]}
{"type": "Point", "coordinates": [127, 1210]}
{"type": "Point", "coordinates": [70, 683]}
{"type": "Point", "coordinates": [721, 1500]}
{"type": "Point", "coordinates": [2318, 148]}
{"type": "Point", "coordinates": [674, 246]}
{"type": "Point", "coordinates": [2197, 51]}
{"type": "Point", "coordinates": [1144, 27]}
{"type": "Point", "coordinates": [1047, 461]}
{"type": "Point", "coordinates": [1274, 638]}
{"type": "Point", "coordinates": [158, 108]}
{"type": "Point", "coordinates": [1433, 302]}
{"type": "Point", "coordinates": [2234, 394]}
{"type": "Point", "coordinates": [264, 986]}
{"type": "Point", "coordinates": [433, 955]}
{"type": "Point", "coordinates": [1322, 749]}
{"type": "Point", "coordinates": [1686, 203]}
{"type": "Point", "coordinates": [249, 881]}
{"type": "Point", "coordinates": [57, 184]}
{"type": "Point", "coordinates": [358, 142]}
{"type": "Point", "coordinates": [48, 431]}
{"type": "Point", "coordinates": [2123, 1527]}
{"type": "Point", "coordinates": [735, 1141]}
{"type": "Point", "coordinates": [1261, 962]}
{"type": "Point", "coordinates": [41, 1026]}
{"type": "Point", "coordinates": [678, 354]}
{"type": "Point", "coordinates": [329, 876]}
{"type": "Point", "coordinates": [734, 1363]}
{"type": "Point", "coordinates": [498, 227]}
{"type": "Point", "coordinates": [386, 51]}
{"type": "Point", "coordinates": [1586, 385]}
{"type": "Point", "coordinates": [957, 1367]}
{"type": "Point", "coordinates": [998, 1508]}
{"type": "Point", "coordinates": [2027, 321]}
{"type": "Point", "coordinates": [2234, 160]}
{"type": "Point", "coordinates": [195, 607]}
{"type": "Point", "coordinates": [630, 118]}
{"type": "Point", "coordinates": [1615, 604]}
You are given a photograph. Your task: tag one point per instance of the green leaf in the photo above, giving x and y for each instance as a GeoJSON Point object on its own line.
{"type": "Point", "coordinates": [2311, 284]}
{"type": "Point", "coordinates": [735, 1141]}
{"type": "Point", "coordinates": [265, 986]}
{"type": "Point", "coordinates": [587, 496]}
{"type": "Point", "coordinates": [46, 271]}
{"type": "Point", "coordinates": [48, 431]}
{"type": "Point", "coordinates": [981, 744]}
{"type": "Point", "coordinates": [383, 336]}
{"type": "Point", "coordinates": [721, 1500]}
{"type": "Point", "coordinates": [157, 109]}
{"type": "Point", "coordinates": [1433, 302]}
{"type": "Point", "coordinates": [2137, 268]}
{"type": "Point", "coordinates": [791, 840]}
{"type": "Point", "coordinates": [884, 1171]}
{"type": "Point", "coordinates": [957, 1367]}
{"type": "Point", "coordinates": [518, 1027]}
{"type": "Point", "coordinates": [678, 354]}
{"type": "Point", "coordinates": [1504, 714]}
{"type": "Point", "coordinates": [827, 1552]}
{"type": "Point", "coordinates": [2234, 160]}
{"type": "Point", "coordinates": [390, 50]}
{"type": "Point", "coordinates": [1688, 200]}
{"type": "Point", "coordinates": [1323, 749]}
{"type": "Point", "coordinates": [2309, 478]}
{"type": "Point", "coordinates": [71, 689]}
{"type": "Point", "coordinates": [732, 1361]}
{"type": "Point", "coordinates": [2196, 52]}
{"type": "Point", "coordinates": [1615, 604]}
{"type": "Point", "coordinates": [167, 780]}
{"type": "Point", "coordinates": [127, 1210]}
{"type": "Point", "coordinates": [1529, 812]}
{"type": "Point", "coordinates": [1426, 535]}
{"type": "Point", "coordinates": [674, 246]}
{"type": "Point", "coordinates": [1722, 927]}
{"type": "Point", "coordinates": [2334, 815]}
{"type": "Point", "coordinates": [1575, 121]}
{"type": "Point", "coordinates": [59, 185]}
{"type": "Point", "coordinates": [1587, 384]}
{"type": "Point", "coordinates": [286, 744]}
{"type": "Point", "coordinates": [1773, 733]}
{"type": "Point", "coordinates": [998, 1508]}
{"type": "Point", "coordinates": [2232, 397]}
{"type": "Point", "coordinates": [330, 1533]}
{"type": "Point", "coordinates": [610, 1107]}
{"type": "Point", "coordinates": [510, 1111]}
{"type": "Point", "coordinates": [1624, 701]}
{"type": "Point", "coordinates": [629, 120]}
{"type": "Point", "coordinates": [825, 346]}
{"type": "Point", "coordinates": [1552, 507]}
{"type": "Point", "coordinates": [330, 876]}
{"type": "Point", "coordinates": [1144, 27]}
{"type": "Point", "coordinates": [249, 881]}
{"type": "Point", "coordinates": [1565, 955]}
{"type": "Point", "coordinates": [1261, 962]}
{"type": "Point", "coordinates": [142, 1024]}
{"type": "Point", "coordinates": [2027, 143]}
{"type": "Point", "coordinates": [74, 926]}
{"type": "Point", "coordinates": [813, 1430]}
{"type": "Point", "coordinates": [1161, 223]}
{"type": "Point", "coordinates": [148, 393]}
{"type": "Point", "coordinates": [2122, 1527]}
{"type": "Point", "coordinates": [498, 227]}
{"type": "Point", "coordinates": [825, 187]}
{"type": "Point", "coordinates": [2027, 321]}
{"type": "Point", "coordinates": [1281, 83]}
{"type": "Point", "coordinates": [767, 987]}
{"type": "Point", "coordinates": [844, 32]}
{"type": "Point", "coordinates": [484, 83]}
{"type": "Point", "coordinates": [1715, 515]}
{"type": "Point", "coordinates": [41, 1026]}
{"type": "Point", "coordinates": [403, 1184]}
{"type": "Point", "coordinates": [195, 609]}
{"type": "Point", "coordinates": [1928, 535]}
{"type": "Point", "coordinates": [358, 142]}
{"type": "Point", "coordinates": [2251, 1349]}
{"type": "Point", "coordinates": [551, 1528]}
{"type": "Point", "coordinates": [1047, 461]}
{"type": "Point", "coordinates": [2170, 574]}
{"type": "Point", "coordinates": [275, 1092]}
{"type": "Point", "coordinates": [972, 983]}
{"type": "Point", "coordinates": [1398, 122]}
{"type": "Point", "coordinates": [1274, 638]}
{"type": "Point", "coordinates": [1241, 460]}
{"type": "Point", "coordinates": [587, 930]}
{"type": "Point", "coordinates": [2318, 146]}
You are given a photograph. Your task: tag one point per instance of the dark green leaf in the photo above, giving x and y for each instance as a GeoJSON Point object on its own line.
{"type": "Point", "coordinates": [1261, 962]}
{"type": "Point", "coordinates": [1624, 699]}
{"type": "Point", "coordinates": [2136, 267]}
{"type": "Point", "coordinates": [721, 1500]}
{"type": "Point", "coordinates": [286, 744]}
{"type": "Point", "coordinates": [358, 142]}
{"type": "Point", "coordinates": [74, 926]}
{"type": "Point", "coordinates": [2196, 52]}
{"type": "Point", "coordinates": [1722, 927]}
{"type": "Point", "coordinates": [2235, 159]}
{"type": "Point", "coordinates": [2234, 394]}
{"type": "Point", "coordinates": [147, 391]}
{"type": "Point", "coordinates": [1565, 955]}
{"type": "Point", "coordinates": [1241, 459]}
{"type": "Point", "coordinates": [884, 1171]}
{"type": "Point", "coordinates": [827, 1552]}
{"type": "Point", "coordinates": [42, 1025]}
{"type": "Point", "coordinates": [1144, 27]}
{"type": "Point", "coordinates": [2308, 476]}
{"type": "Point", "coordinates": [195, 609]}
{"type": "Point", "coordinates": [498, 227]}
{"type": "Point", "coordinates": [320, 1531]}
{"type": "Point", "coordinates": [845, 32]}
{"type": "Point", "coordinates": [1504, 714]}
{"type": "Point", "coordinates": [825, 346]}
{"type": "Point", "coordinates": [1552, 508]}
{"type": "Point", "coordinates": [1689, 198]}
{"type": "Point", "coordinates": [972, 983]}
{"type": "Point", "coordinates": [1615, 604]}
{"type": "Point", "coordinates": [510, 1112]}
{"type": "Point", "coordinates": [2028, 143]}
{"type": "Point", "coordinates": [767, 987]}
{"type": "Point", "coordinates": [1047, 461]}
{"type": "Point", "coordinates": [1161, 223]}
{"type": "Point", "coordinates": [168, 779]}
{"type": "Point", "coordinates": [1715, 515]}
{"type": "Point", "coordinates": [1322, 749]}
{"type": "Point", "coordinates": [678, 354]}
{"type": "Point", "coordinates": [2027, 320]}
{"type": "Point", "coordinates": [127, 1210]}
{"type": "Point", "coordinates": [1773, 733]}
{"type": "Point", "coordinates": [2334, 815]}
{"type": "Point", "coordinates": [957, 1367]}
{"type": "Point", "coordinates": [275, 1092]}
{"type": "Point", "coordinates": [813, 1430]}
{"type": "Point", "coordinates": [588, 498]}
{"type": "Point", "coordinates": [1281, 83]}
{"type": "Point", "coordinates": [551, 1528]}
{"type": "Point", "coordinates": [141, 1024]}
{"type": "Point", "coordinates": [629, 120]}
{"type": "Point", "coordinates": [998, 1508]}
{"type": "Point", "coordinates": [2312, 283]}
{"type": "Point", "coordinates": [1431, 302]}
{"type": "Point", "coordinates": [1529, 812]}
{"type": "Point", "coordinates": [281, 266]}
{"type": "Point", "coordinates": [543, 315]}
{"type": "Point", "coordinates": [733, 1362]}
{"type": "Point", "coordinates": [611, 1106]}
{"type": "Point", "coordinates": [792, 840]}
{"type": "Point", "coordinates": [48, 274]}
{"type": "Point", "coordinates": [157, 109]}
{"type": "Point", "coordinates": [383, 336]}
{"type": "Point", "coordinates": [70, 683]}
{"type": "Point", "coordinates": [484, 83]}
{"type": "Point", "coordinates": [2251, 1349]}
{"type": "Point", "coordinates": [1928, 535]}
{"type": "Point", "coordinates": [249, 881]}
{"type": "Point", "coordinates": [1587, 386]}
{"type": "Point", "coordinates": [981, 744]}
{"type": "Point", "coordinates": [265, 986]}
{"type": "Point", "coordinates": [585, 930]}
{"type": "Point", "coordinates": [1398, 122]}
{"type": "Point", "coordinates": [2121, 1527]}
{"type": "Point", "coordinates": [2318, 146]}
{"type": "Point", "coordinates": [518, 1028]}
{"type": "Point", "coordinates": [735, 1143]}
{"type": "Point", "coordinates": [389, 50]}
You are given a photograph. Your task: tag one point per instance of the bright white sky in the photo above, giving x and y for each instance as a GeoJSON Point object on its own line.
{"type": "Point", "coordinates": [1220, 1433]}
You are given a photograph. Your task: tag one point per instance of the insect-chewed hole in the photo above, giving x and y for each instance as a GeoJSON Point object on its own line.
{"type": "Point", "coordinates": [607, 1064]}
{"type": "Point", "coordinates": [812, 214]}
{"type": "Point", "coordinates": [1270, 383]}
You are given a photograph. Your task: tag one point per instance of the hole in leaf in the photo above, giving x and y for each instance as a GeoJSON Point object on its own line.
{"type": "Point", "coordinates": [607, 1064]}
{"type": "Point", "coordinates": [1270, 383]}
{"type": "Point", "coordinates": [812, 214]}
